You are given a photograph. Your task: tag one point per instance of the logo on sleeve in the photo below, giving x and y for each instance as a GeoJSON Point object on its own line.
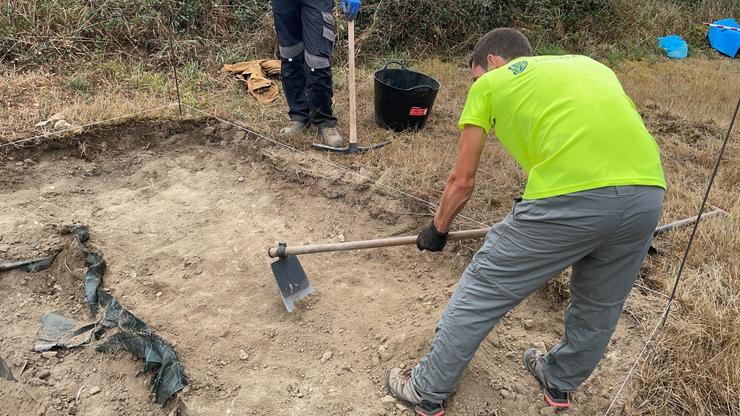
{"type": "Point", "coordinates": [517, 68]}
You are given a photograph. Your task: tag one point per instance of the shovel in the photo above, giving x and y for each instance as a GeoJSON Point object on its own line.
{"type": "Point", "coordinates": [353, 146]}
{"type": "Point", "coordinates": [294, 284]}
{"type": "Point", "coordinates": [292, 280]}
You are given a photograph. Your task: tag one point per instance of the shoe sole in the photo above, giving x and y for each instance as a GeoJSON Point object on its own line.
{"type": "Point", "coordinates": [543, 388]}
{"type": "Point", "coordinates": [411, 406]}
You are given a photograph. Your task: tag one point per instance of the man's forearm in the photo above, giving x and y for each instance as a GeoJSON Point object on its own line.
{"type": "Point", "coordinates": [461, 181]}
{"type": "Point", "coordinates": [456, 194]}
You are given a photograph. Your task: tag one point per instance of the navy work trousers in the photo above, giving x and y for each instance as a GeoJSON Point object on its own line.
{"type": "Point", "coordinates": [305, 32]}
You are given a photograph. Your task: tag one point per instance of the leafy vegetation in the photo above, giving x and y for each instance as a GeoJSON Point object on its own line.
{"type": "Point", "coordinates": [38, 33]}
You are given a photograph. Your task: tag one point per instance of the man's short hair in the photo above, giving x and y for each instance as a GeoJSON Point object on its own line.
{"type": "Point", "coordinates": [505, 42]}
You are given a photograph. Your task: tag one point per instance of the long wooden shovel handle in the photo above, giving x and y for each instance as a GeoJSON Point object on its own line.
{"type": "Point", "coordinates": [379, 242]}
{"type": "Point", "coordinates": [352, 82]}
{"type": "Point", "coordinates": [455, 235]}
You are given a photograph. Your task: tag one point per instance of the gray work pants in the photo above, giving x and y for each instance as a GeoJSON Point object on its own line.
{"type": "Point", "coordinates": [603, 233]}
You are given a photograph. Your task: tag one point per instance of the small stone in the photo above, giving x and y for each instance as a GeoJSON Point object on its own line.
{"type": "Point", "coordinates": [519, 388]}
{"type": "Point", "coordinates": [94, 390]}
{"type": "Point", "coordinates": [495, 340]}
{"type": "Point", "coordinates": [49, 354]}
{"type": "Point", "coordinates": [342, 239]}
{"type": "Point", "coordinates": [239, 135]}
{"type": "Point", "coordinates": [44, 375]}
{"type": "Point", "coordinates": [158, 294]}
{"type": "Point", "coordinates": [243, 355]}
{"type": "Point", "coordinates": [388, 399]}
{"type": "Point", "coordinates": [549, 410]}
{"type": "Point", "coordinates": [300, 394]}
{"type": "Point", "coordinates": [528, 323]}
{"type": "Point", "coordinates": [401, 407]}
{"type": "Point", "coordinates": [506, 394]}
{"type": "Point", "coordinates": [383, 353]}
{"type": "Point", "coordinates": [207, 131]}
{"type": "Point", "coordinates": [326, 356]}
{"type": "Point", "coordinates": [240, 179]}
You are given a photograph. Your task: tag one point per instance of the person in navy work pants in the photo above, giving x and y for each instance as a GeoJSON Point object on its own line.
{"type": "Point", "coordinates": [305, 32]}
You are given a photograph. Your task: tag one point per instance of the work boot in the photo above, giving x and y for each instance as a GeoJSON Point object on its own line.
{"type": "Point", "coordinates": [533, 361]}
{"type": "Point", "coordinates": [400, 387]}
{"type": "Point", "coordinates": [331, 136]}
{"type": "Point", "coordinates": [295, 127]}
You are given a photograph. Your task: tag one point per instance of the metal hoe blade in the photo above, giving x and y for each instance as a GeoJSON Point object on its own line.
{"type": "Point", "coordinates": [352, 148]}
{"type": "Point", "coordinates": [291, 280]}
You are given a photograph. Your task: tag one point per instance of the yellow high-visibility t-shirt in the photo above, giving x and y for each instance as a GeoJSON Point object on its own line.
{"type": "Point", "coordinates": [568, 123]}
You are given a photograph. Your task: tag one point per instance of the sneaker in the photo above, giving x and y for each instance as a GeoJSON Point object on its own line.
{"type": "Point", "coordinates": [331, 136]}
{"type": "Point", "coordinates": [532, 360]}
{"type": "Point", "coordinates": [295, 127]}
{"type": "Point", "coordinates": [400, 386]}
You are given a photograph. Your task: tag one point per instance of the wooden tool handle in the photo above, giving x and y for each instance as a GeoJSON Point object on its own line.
{"type": "Point", "coordinates": [688, 221]}
{"type": "Point", "coordinates": [379, 242]}
{"type": "Point", "coordinates": [352, 92]}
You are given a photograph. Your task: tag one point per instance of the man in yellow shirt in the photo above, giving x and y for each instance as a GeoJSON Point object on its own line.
{"type": "Point", "coordinates": [593, 198]}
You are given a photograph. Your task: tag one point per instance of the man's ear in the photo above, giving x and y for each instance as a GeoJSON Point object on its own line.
{"type": "Point", "coordinates": [495, 61]}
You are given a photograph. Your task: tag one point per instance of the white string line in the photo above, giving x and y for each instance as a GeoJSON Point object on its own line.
{"type": "Point", "coordinates": [639, 357]}
{"type": "Point", "coordinates": [329, 162]}
{"type": "Point", "coordinates": [652, 290]}
{"type": "Point", "coordinates": [15, 143]}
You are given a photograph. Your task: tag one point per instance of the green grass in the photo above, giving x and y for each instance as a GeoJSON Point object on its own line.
{"type": "Point", "coordinates": [78, 84]}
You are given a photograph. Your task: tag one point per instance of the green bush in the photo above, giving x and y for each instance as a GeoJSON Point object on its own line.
{"type": "Point", "coordinates": [41, 32]}
{"type": "Point", "coordinates": [450, 27]}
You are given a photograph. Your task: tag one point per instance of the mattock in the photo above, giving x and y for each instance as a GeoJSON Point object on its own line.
{"type": "Point", "coordinates": [353, 147]}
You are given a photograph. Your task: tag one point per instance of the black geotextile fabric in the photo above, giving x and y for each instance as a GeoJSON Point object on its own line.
{"type": "Point", "coordinates": [31, 266]}
{"type": "Point", "coordinates": [136, 337]}
{"type": "Point", "coordinates": [58, 331]}
{"type": "Point", "coordinates": [5, 371]}
{"type": "Point", "coordinates": [95, 268]}
{"type": "Point", "coordinates": [133, 334]}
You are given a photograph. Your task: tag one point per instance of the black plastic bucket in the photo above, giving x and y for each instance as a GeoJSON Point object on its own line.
{"type": "Point", "coordinates": [403, 98]}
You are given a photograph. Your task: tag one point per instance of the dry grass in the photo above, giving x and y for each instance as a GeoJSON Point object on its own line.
{"type": "Point", "coordinates": [694, 89]}
{"type": "Point", "coordinates": [691, 370]}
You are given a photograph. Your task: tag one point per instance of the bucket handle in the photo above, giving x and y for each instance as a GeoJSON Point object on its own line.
{"type": "Point", "coordinates": [397, 63]}
{"type": "Point", "coordinates": [418, 87]}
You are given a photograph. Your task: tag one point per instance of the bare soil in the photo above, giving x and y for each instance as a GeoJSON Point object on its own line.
{"type": "Point", "coordinates": [183, 213]}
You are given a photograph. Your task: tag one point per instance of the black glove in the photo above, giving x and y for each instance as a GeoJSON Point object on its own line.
{"type": "Point", "coordinates": [431, 239]}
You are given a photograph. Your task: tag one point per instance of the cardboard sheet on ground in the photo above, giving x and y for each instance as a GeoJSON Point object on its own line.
{"type": "Point", "coordinates": [255, 75]}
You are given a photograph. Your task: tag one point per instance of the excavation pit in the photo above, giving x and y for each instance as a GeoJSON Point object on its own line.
{"type": "Point", "coordinates": [183, 212]}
